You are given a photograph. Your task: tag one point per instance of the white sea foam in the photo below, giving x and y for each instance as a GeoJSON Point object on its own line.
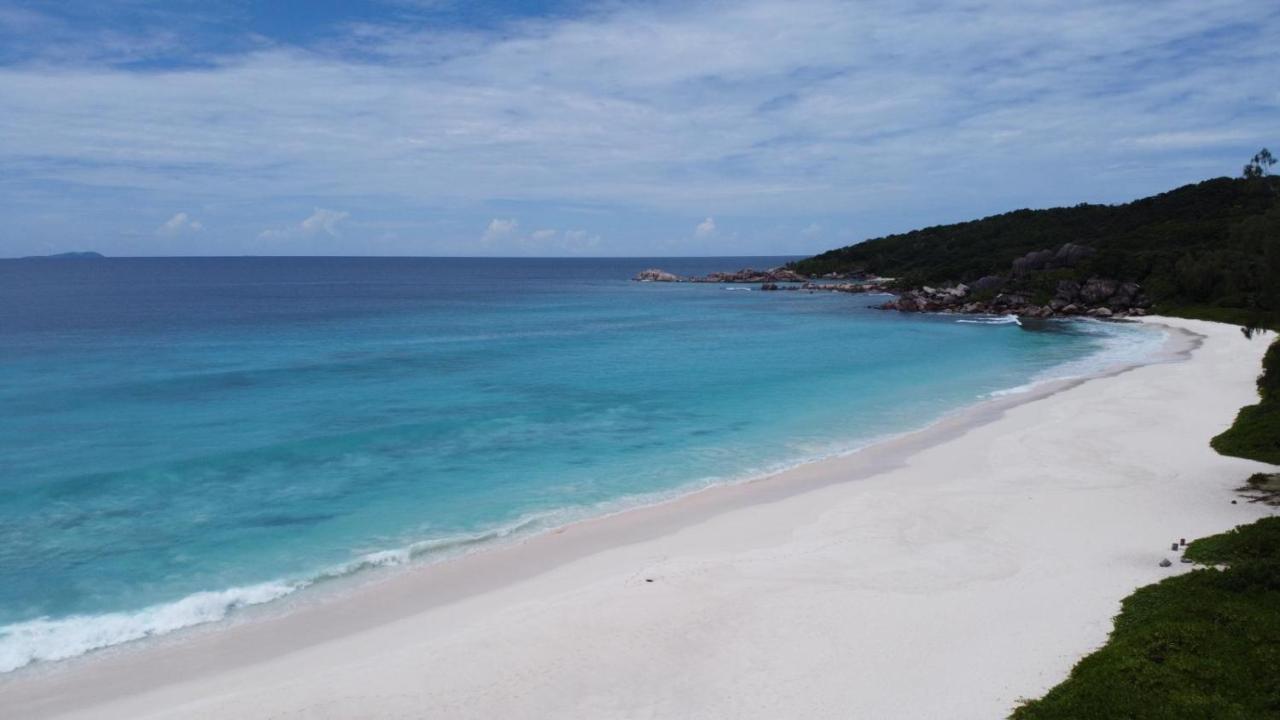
{"type": "Point", "coordinates": [993, 320]}
{"type": "Point", "coordinates": [1123, 345]}
{"type": "Point", "coordinates": [43, 639]}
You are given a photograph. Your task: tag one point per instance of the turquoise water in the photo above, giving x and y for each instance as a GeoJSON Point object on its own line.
{"type": "Point", "coordinates": [183, 437]}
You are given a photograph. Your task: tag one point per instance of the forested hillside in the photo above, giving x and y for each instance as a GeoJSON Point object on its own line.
{"type": "Point", "coordinates": [1206, 250]}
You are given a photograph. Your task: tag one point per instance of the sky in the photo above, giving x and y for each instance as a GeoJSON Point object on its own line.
{"type": "Point", "coordinates": [566, 128]}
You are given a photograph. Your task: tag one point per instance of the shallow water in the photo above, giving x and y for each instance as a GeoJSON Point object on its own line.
{"type": "Point", "coordinates": [180, 437]}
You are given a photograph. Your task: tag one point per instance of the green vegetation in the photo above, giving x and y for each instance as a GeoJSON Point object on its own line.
{"type": "Point", "coordinates": [1256, 432]}
{"type": "Point", "coordinates": [1259, 541]}
{"type": "Point", "coordinates": [1260, 165]}
{"type": "Point", "coordinates": [1264, 488]}
{"type": "Point", "coordinates": [1205, 644]}
{"type": "Point", "coordinates": [1210, 250]}
{"type": "Point", "coordinates": [1201, 645]}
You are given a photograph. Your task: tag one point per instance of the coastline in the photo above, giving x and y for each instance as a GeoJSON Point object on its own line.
{"type": "Point", "coordinates": [40, 641]}
{"type": "Point", "coordinates": [749, 551]}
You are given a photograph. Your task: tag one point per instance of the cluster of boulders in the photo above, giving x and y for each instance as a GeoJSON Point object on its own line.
{"type": "Point", "coordinates": [656, 275]}
{"type": "Point", "coordinates": [1009, 294]}
{"type": "Point", "coordinates": [745, 275]}
{"type": "Point", "coordinates": [1099, 296]}
{"type": "Point", "coordinates": [1096, 297]}
{"type": "Point", "coordinates": [872, 285]}
{"type": "Point", "coordinates": [1067, 256]}
{"type": "Point", "coordinates": [1014, 293]}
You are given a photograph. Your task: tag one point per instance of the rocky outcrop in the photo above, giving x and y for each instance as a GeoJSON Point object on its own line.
{"type": "Point", "coordinates": [988, 283]}
{"type": "Point", "coordinates": [1021, 292]}
{"type": "Point", "coordinates": [871, 286]}
{"type": "Point", "coordinates": [1105, 299]}
{"type": "Point", "coordinates": [744, 276]}
{"type": "Point", "coordinates": [1071, 255]}
{"type": "Point", "coordinates": [1032, 261]}
{"type": "Point", "coordinates": [1068, 256]}
{"type": "Point", "coordinates": [930, 299]}
{"type": "Point", "coordinates": [865, 287]}
{"type": "Point", "coordinates": [1096, 290]}
{"type": "Point", "coordinates": [656, 275]}
{"type": "Point", "coordinates": [747, 275]}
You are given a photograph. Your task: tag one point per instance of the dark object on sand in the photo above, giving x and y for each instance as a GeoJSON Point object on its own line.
{"type": "Point", "coordinates": [1165, 563]}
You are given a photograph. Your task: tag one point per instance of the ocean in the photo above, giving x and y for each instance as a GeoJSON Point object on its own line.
{"type": "Point", "coordinates": [180, 438]}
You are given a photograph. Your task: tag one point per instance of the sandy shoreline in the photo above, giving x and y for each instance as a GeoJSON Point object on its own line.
{"type": "Point", "coordinates": [969, 565]}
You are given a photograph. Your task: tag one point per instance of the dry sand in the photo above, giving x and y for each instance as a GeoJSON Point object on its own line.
{"type": "Point", "coordinates": [944, 574]}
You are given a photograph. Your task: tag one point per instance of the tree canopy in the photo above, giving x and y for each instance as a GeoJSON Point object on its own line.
{"type": "Point", "coordinates": [1211, 249]}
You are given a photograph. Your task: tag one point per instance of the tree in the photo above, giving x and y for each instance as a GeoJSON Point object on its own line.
{"type": "Point", "coordinates": [1260, 165]}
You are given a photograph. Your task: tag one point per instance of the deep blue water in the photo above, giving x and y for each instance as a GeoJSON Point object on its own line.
{"type": "Point", "coordinates": [180, 437]}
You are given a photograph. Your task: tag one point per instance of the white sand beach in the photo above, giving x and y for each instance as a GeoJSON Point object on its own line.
{"type": "Point", "coordinates": [944, 574]}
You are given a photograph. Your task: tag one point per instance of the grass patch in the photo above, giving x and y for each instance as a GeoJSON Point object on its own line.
{"type": "Point", "coordinates": [1201, 645]}
{"type": "Point", "coordinates": [1255, 434]}
{"type": "Point", "coordinates": [1247, 543]}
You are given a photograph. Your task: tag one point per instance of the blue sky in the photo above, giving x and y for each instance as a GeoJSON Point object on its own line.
{"type": "Point", "coordinates": [433, 127]}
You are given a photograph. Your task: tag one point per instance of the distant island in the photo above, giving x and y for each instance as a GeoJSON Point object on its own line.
{"type": "Point", "coordinates": [82, 255]}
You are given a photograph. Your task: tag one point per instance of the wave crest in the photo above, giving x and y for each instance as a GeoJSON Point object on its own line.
{"type": "Point", "coordinates": [43, 639]}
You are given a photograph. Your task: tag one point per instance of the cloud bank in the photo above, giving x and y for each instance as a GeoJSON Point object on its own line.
{"type": "Point", "coordinates": [624, 120]}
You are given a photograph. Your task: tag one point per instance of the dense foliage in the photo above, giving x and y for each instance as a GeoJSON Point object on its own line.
{"type": "Point", "coordinates": [1201, 645]}
{"type": "Point", "coordinates": [1208, 250]}
{"type": "Point", "coordinates": [1256, 431]}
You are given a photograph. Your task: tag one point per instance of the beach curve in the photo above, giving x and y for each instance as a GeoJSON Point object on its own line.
{"type": "Point", "coordinates": [803, 593]}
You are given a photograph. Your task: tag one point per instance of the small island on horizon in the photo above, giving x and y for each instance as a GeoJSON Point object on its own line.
{"type": "Point", "coordinates": [74, 255]}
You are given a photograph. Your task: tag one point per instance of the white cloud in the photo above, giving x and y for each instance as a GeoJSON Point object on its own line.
{"type": "Point", "coordinates": [499, 229]}
{"type": "Point", "coordinates": [541, 235]}
{"type": "Point", "coordinates": [783, 110]}
{"type": "Point", "coordinates": [319, 222]}
{"type": "Point", "coordinates": [812, 230]}
{"type": "Point", "coordinates": [325, 221]}
{"type": "Point", "coordinates": [178, 224]}
{"type": "Point", "coordinates": [706, 228]}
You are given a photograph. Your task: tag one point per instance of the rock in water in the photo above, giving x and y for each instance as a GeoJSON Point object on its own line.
{"type": "Point", "coordinates": [655, 275]}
